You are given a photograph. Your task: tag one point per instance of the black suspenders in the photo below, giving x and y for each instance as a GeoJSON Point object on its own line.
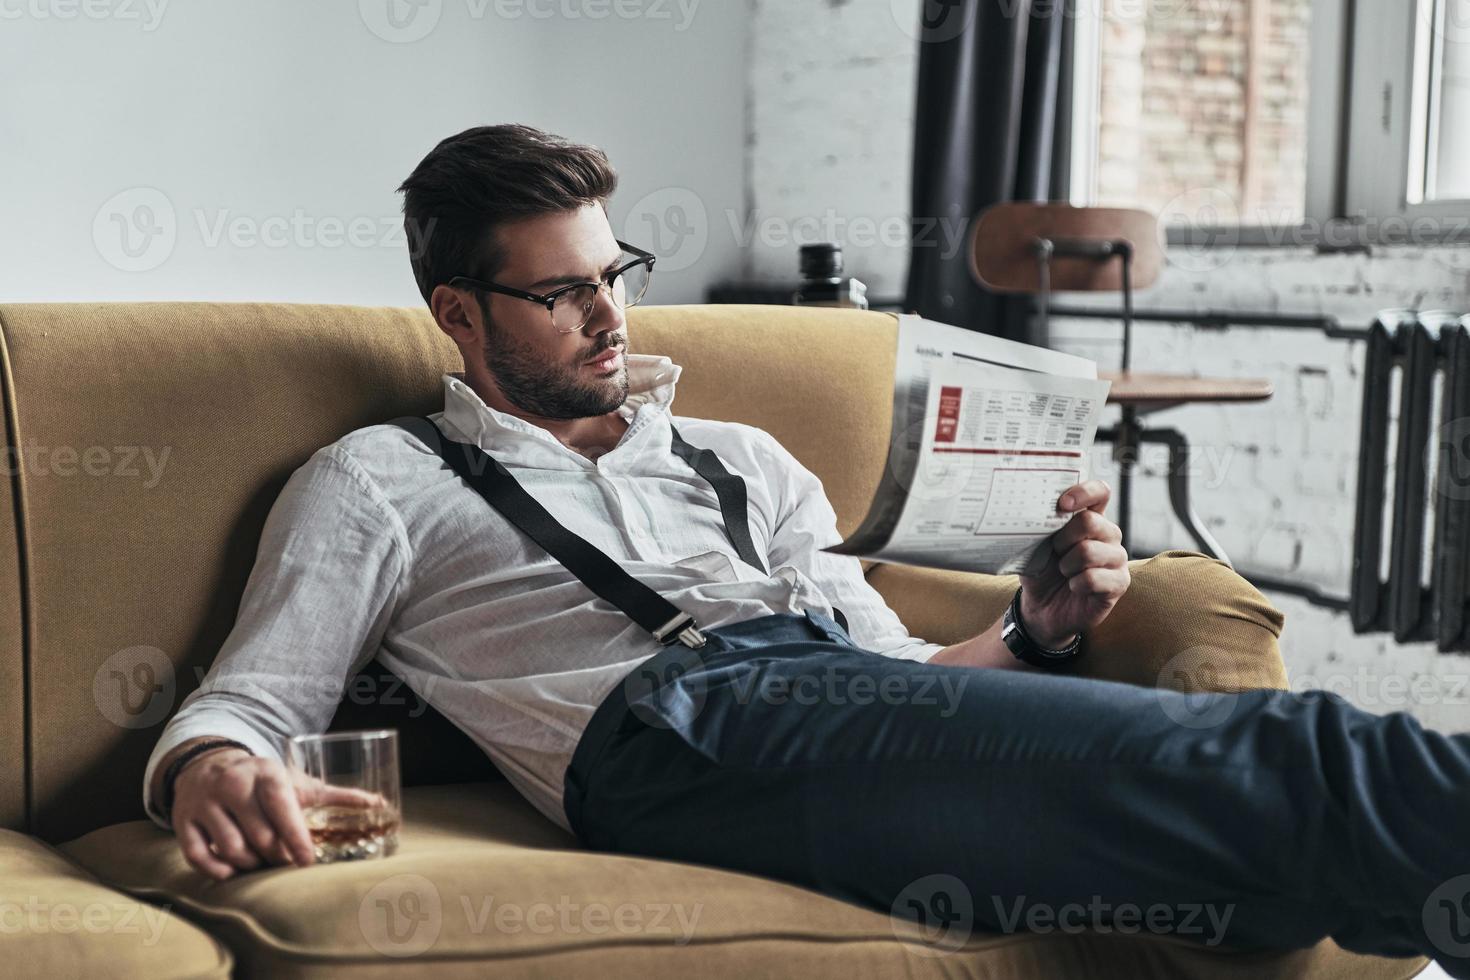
{"type": "Point", "coordinates": [731, 491]}
{"type": "Point", "coordinates": [604, 576]}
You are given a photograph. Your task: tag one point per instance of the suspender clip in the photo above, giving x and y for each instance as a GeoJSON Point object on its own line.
{"type": "Point", "coordinates": [682, 628]}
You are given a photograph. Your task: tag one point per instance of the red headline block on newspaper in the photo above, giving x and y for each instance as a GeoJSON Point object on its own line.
{"type": "Point", "coordinates": [949, 414]}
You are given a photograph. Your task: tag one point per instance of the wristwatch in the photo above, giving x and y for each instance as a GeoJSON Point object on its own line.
{"type": "Point", "coordinates": [1018, 641]}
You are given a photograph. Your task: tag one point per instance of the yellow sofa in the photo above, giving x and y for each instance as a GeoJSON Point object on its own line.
{"type": "Point", "coordinates": [145, 445]}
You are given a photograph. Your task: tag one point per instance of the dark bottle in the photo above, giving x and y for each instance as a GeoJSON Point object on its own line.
{"type": "Point", "coordinates": [822, 282]}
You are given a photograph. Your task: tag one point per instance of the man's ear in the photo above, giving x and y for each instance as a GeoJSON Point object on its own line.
{"type": "Point", "coordinates": [455, 316]}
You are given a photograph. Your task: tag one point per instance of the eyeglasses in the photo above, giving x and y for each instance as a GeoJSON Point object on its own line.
{"type": "Point", "coordinates": [571, 306]}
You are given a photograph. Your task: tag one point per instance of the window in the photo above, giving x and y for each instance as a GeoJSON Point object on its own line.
{"type": "Point", "coordinates": [1282, 121]}
{"type": "Point", "coordinates": [1204, 101]}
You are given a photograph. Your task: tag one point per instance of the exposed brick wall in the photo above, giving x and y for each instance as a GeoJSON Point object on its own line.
{"type": "Point", "coordinates": [831, 96]}
{"type": "Point", "coordinates": [1173, 80]}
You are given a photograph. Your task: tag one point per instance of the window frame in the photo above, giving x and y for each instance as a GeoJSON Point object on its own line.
{"type": "Point", "coordinates": [1357, 170]}
{"type": "Point", "coordinates": [1389, 114]}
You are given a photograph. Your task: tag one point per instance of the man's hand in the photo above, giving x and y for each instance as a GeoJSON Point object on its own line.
{"type": "Point", "coordinates": [234, 812]}
{"type": "Point", "coordinates": [1085, 576]}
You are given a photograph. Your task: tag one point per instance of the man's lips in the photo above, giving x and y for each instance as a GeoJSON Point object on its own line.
{"type": "Point", "coordinates": [610, 358]}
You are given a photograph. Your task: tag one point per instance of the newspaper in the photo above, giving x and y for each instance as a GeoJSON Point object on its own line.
{"type": "Point", "coordinates": [987, 434]}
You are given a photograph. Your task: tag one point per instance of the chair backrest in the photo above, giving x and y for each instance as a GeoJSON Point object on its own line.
{"type": "Point", "coordinates": [1003, 247]}
{"type": "Point", "coordinates": [147, 442]}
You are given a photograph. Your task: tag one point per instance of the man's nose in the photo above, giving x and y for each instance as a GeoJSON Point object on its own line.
{"type": "Point", "coordinates": [606, 315]}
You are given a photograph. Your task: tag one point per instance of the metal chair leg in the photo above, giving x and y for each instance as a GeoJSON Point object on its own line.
{"type": "Point", "coordinates": [1126, 437]}
{"type": "Point", "coordinates": [1179, 490]}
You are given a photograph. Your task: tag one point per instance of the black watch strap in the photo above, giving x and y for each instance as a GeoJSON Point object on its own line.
{"type": "Point", "coordinates": [171, 774]}
{"type": "Point", "coordinates": [1027, 650]}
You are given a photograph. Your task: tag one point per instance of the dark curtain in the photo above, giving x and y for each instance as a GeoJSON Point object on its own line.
{"type": "Point", "coordinates": [992, 125]}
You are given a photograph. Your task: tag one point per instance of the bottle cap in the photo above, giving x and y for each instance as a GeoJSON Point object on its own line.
{"type": "Point", "coordinates": [821, 260]}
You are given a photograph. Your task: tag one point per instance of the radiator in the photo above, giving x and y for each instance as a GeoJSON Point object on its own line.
{"type": "Point", "coordinates": [1411, 540]}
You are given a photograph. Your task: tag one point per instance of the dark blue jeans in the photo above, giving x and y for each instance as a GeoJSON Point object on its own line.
{"type": "Point", "coordinates": [1002, 801]}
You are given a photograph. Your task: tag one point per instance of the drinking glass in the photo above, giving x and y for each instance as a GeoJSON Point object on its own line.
{"type": "Point", "coordinates": [348, 784]}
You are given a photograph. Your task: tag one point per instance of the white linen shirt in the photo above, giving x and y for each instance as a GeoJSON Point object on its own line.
{"type": "Point", "coordinates": [375, 548]}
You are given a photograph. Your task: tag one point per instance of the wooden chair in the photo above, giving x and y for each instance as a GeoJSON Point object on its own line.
{"type": "Point", "coordinates": [1035, 248]}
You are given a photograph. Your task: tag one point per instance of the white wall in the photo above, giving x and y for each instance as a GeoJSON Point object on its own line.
{"type": "Point", "coordinates": [293, 120]}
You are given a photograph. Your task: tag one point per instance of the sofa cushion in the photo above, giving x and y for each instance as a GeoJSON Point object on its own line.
{"type": "Point", "coordinates": [483, 885]}
{"type": "Point", "coordinates": [58, 921]}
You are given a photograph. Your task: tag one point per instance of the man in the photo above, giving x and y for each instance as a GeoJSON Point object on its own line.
{"type": "Point", "coordinates": [678, 735]}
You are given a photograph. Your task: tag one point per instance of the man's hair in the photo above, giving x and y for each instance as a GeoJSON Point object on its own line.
{"type": "Point", "coordinates": [472, 183]}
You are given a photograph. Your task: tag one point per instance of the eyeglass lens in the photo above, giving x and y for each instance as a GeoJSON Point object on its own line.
{"type": "Point", "coordinates": [573, 308]}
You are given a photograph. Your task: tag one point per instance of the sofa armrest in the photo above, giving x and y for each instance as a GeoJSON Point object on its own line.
{"type": "Point", "coordinates": [1187, 622]}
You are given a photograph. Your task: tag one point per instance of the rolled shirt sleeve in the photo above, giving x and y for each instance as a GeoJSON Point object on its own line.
{"type": "Point", "coordinates": [805, 524]}
{"type": "Point", "coordinates": [328, 572]}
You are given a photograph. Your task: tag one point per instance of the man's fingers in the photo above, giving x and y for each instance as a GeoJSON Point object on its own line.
{"type": "Point", "coordinates": [259, 833]}
{"type": "Point", "coordinates": [350, 796]}
{"type": "Point", "coordinates": [279, 803]}
{"type": "Point", "coordinates": [1099, 582]}
{"type": "Point", "coordinates": [1092, 554]}
{"type": "Point", "coordinates": [228, 842]}
{"type": "Point", "coordinates": [196, 851]}
{"type": "Point", "coordinates": [1087, 495]}
{"type": "Point", "coordinates": [1087, 525]}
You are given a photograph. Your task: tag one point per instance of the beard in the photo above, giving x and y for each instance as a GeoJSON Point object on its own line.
{"type": "Point", "coordinates": [550, 390]}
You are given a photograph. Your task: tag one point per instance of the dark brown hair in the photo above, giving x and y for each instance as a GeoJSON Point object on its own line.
{"type": "Point", "coordinates": [484, 177]}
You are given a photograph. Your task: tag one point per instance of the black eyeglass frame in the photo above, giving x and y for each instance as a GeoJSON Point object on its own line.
{"type": "Point", "coordinates": [549, 299]}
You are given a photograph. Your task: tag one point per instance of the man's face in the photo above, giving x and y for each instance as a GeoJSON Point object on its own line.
{"type": "Point", "coordinates": [540, 371]}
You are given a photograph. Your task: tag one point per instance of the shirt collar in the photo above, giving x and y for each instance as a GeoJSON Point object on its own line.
{"type": "Point", "coordinates": [651, 382]}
